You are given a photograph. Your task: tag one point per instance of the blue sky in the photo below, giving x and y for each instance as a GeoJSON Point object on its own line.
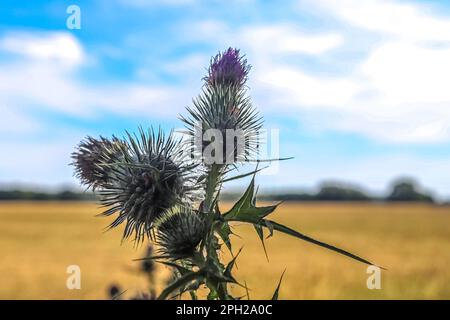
{"type": "Point", "coordinates": [357, 88]}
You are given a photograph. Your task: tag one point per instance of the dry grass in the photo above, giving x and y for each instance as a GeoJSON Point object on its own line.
{"type": "Point", "coordinates": [39, 240]}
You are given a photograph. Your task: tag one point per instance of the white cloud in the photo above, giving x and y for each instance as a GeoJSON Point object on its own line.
{"type": "Point", "coordinates": [194, 64]}
{"type": "Point", "coordinates": [56, 47]}
{"type": "Point", "coordinates": [306, 90]}
{"type": "Point", "coordinates": [264, 39]}
{"type": "Point", "coordinates": [407, 73]}
{"type": "Point", "coordinates": [396, 93]}
{"type": "Point", "coordinates": [285, 38]}
{"type": "Point", "coordinates": [42, 75]}
{"type": "Point", "coordinates": [139, 99]}
{"type": "Point", "coordinates": [406, 20]}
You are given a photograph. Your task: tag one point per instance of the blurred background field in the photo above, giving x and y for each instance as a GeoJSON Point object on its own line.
{"type": "Point", "coordinates": [38, 240]}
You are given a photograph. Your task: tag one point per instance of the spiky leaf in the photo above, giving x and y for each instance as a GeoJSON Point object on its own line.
{"type": "Point", "coordinates": [181, 282]}
{"type": "Point", "coordinates": [230, 265]}
{"type": "Point", "coordinates": [281, 228]}
{"type": "Point", "coordinates": [260, 233]}
{"type": "Point", "coordinates": [224, 232]}
{"type": "Point", "coordinates": [275, 294]}
{"type": "Point", "coordinates": [245, 208]}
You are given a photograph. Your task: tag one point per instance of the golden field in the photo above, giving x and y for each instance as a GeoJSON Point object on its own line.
{"type": "Point", "coordinates": [39, 240]}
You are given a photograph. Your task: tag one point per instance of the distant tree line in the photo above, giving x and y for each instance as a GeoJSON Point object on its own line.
{"type": "Point", "coordinates": [45, 196]}
{"type": "Point", "coordinates": [402, 190]}
{"type": "Point", "coordinates": [406, 191]}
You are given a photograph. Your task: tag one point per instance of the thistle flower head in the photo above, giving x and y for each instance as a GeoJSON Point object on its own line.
{"type": "Point", "coordinates": [89, 158]}
{"type": "Point", "coordinates": [227, 115]}
{"type": "Point", "coordinates": [223, 125]}
{"type": "Point", "coordinates": [180, 231]}
{"type": "Point", "coordinates": [145, 176]}
{"type": "Point", "coordinates": [228, 68]}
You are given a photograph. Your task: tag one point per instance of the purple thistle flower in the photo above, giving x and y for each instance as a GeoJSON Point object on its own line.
{"type": "Point", "coordinates": [228, 68]}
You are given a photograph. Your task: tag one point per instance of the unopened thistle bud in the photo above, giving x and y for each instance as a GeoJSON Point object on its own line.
{"type": "Point", "coordinates": [180, 232]}
{"type": "Point", "coordinates": [92, 157]}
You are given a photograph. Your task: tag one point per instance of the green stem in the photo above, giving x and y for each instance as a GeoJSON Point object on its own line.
{"type": "Point", "coordinates": [211, 194]}
{"type": "Point", "coordinates": [222, 291]}
{"type": "Point", "coordinates": [193, 295]}
{"type": "Point", "coordinates": [212, 181]}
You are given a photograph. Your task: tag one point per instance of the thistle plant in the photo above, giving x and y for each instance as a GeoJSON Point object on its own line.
{"type": "Point", "coordinates": [167, 190]}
